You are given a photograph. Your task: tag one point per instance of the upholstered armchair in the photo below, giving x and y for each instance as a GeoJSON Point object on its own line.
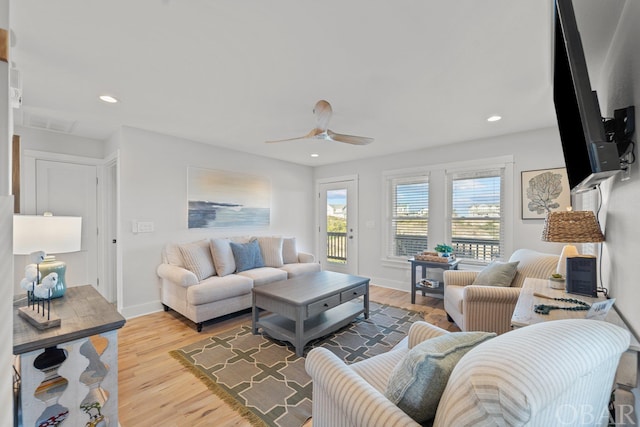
{"type": "Point", "coordinates": [489, 308]}
{"type": "Point", "coordinates": [530, 376]}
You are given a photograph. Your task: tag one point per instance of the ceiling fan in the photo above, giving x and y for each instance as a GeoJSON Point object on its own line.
{"type": "Point", "coordinates": [323, 112]}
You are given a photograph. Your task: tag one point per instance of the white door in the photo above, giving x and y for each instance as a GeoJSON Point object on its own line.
{"type": "Point", "coordinates": [338, 226]}
{"type": "Point", "coordinates": [71, 189]}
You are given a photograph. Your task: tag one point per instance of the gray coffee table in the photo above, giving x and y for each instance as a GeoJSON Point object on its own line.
{"type": "Point", "coordinates": [310, 306]}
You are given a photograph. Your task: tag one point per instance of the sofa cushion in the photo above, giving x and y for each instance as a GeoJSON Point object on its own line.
{"type": "Point", "coordinates": [271, 248]}
{"type": "Point", "coordinates": [299, 269]}
{"type": "Point", "coordinates": [497, 273]}
{"type": "Point", "coordinates": [246, 255]}
{"type": "Point", "coordinates": [172, 255]}
{"type": "Point", "coordinates": [456, 293]}
{"type": "Point", "coordinates": [222, 256]}
{"type": "Point", "coordinates": [264, 275]}
{"type": "Point", "coordinates": [289, 250]}
{"type": "Point", "coordinates": [217, 288]}
{"type": "Point", "coordinates": [197, 258]}
{"type": "Point", "coordinates": [417, 382]}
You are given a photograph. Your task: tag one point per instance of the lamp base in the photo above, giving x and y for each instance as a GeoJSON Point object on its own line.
{"type": "Point", "coordinates": [567, 251]}
{"type": "Point", "coordinates": [41, 320]}
{"type": "Point", "coordinates": [51, 265]}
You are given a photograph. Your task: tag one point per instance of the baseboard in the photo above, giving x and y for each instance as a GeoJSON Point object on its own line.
{"type": "Point", "coordinates": [142, 309]}
{"type": "Point", "coordinates": [391, 284]}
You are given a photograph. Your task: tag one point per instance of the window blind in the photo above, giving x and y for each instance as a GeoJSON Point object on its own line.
{"type": "Point", "coordinates": [476, 214]}
{"type": "Point", "coordinates": [409, 216]}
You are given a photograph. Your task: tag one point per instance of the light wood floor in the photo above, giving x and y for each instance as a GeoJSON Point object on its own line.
{"type": "Point", "coordinates": [154, 389]}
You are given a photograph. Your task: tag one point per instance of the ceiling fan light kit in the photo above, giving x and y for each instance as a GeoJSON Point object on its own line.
{"type": "Point", "coordinates": [323, 111]}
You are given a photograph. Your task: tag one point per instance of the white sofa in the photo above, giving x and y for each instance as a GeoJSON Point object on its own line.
{"type": "Point", "coordinates": [202, 280]}
{"type": "Point", "coordinates": [548, 374]}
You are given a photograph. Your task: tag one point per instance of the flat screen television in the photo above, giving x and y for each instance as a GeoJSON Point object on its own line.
{"type": "Point", "coordinates": [589, 157]}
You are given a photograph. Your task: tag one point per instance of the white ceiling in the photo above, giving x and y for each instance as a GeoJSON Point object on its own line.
{"type": "Point", "coordinates": [411, 73]}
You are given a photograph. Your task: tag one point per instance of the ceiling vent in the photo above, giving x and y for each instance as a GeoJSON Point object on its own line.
{"type": "Point", "coordinates": [15, 88]}
{"type": "Point", "coordinates": [47, 123]}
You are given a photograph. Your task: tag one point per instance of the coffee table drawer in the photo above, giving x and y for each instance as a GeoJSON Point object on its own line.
{"type": "Point", "coordinates": [353, 293]}
{"type": "Point", "coordinates": [323, 305]}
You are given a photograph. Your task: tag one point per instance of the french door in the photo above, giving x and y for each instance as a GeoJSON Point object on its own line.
{"type": "Point", "coordinates": [338, 224]}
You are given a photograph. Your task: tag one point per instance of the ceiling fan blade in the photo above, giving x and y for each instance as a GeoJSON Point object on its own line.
{"type": "Point", "coordinates": [349, 139]}
{"type": "Point", "coordinates": [288, 139]}
{"type": "Point", "coordinates": [311, 134]}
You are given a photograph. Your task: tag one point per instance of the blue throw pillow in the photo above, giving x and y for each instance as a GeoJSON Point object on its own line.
{"type": "Point", "coordinates": [247, 255]}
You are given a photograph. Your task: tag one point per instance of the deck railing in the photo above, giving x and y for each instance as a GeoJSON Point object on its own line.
{"type": "Point", "coordinates": [336, 247]}
{"type": "Point", "coordinates": [407, 246]}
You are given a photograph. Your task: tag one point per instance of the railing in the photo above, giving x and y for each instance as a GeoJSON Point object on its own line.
{"type": "Point", "coordinates": [478, 249]}
{"type": "Point", "coordinates": [406, 246]}
{"type": "Point", "coordinates": [336, 247]}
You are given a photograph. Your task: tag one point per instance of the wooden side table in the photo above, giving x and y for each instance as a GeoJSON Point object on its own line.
{"type": "Point", "coordinates": [627, 374]}
{"type": "Point", "coordinates": [423, 265]}
{"type": "Point", "coordinates": [69, 372]}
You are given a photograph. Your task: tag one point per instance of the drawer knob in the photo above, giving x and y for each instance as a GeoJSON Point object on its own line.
{"type": "Point", "coordinates": [355, 293]}
{"type": "Point", "coordinates": [326, 305]}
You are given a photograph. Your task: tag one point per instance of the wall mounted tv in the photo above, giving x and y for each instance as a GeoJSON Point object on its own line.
{"type": "Point", "coordinates": [589, 156]}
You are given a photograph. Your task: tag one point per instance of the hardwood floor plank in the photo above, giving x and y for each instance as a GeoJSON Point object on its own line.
{"type": "Point", "coordinates": [155, 389]}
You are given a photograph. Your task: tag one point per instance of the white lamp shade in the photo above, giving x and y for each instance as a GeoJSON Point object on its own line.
{"type": "Point", "coordinates": [51, 234]}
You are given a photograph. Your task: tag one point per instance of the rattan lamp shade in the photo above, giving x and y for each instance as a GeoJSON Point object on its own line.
{"type": "Point", "coordinates": [572, 227]}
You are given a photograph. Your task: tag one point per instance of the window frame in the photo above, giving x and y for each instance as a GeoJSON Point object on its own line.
{"type": "Point", "coordinates": [392, 183]}
{"type": "Point", "coordinates": [477, 173]}
{"type": "Point", "coordinates": [440, 204]}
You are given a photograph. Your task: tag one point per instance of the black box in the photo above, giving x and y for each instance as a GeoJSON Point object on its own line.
{"type": "Point", "coordinates": [582, 275]}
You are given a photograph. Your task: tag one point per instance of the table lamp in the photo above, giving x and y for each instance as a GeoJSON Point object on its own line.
{"type": "Point", "coordinates": [571, 227]}
{"type": "Point", "coordinates": [51, 234]}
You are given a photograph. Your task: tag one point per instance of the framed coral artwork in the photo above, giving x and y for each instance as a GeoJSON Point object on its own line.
{"type": "Point", "coordinates": [543, 191]}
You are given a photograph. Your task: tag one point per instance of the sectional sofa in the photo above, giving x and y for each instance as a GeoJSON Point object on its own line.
{"type": "Point", "coordinates": [210, 278]}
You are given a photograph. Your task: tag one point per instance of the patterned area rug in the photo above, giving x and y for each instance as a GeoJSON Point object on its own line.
{"type": "Point", "coordinates": [266, 382]}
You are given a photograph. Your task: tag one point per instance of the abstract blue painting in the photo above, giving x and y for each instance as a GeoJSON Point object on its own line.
{"type": "Point", "coordinates": [222, 199]}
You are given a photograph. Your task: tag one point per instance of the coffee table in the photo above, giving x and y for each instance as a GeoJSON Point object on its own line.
{"type": "Point", "coordinates": [310, 306]}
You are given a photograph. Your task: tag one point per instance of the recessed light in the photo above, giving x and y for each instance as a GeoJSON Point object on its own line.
{"type": "Point", "coordinates": [108, 98]}
{"type": "Point", "coordinates": [315, 155]}
{"type": "Point", "coordinates": [494, 118]}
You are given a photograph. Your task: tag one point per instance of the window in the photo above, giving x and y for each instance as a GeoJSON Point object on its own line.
{"type": "Point", "coordinates": [467, 204]}
{"type": "Point", "coordinates": [476, 219]}
{"type": "Point", "coordinates": [409, 218]}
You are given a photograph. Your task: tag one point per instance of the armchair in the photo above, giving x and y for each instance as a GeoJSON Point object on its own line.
{"type": "Point", "coordinates": [529, 376]}
{"type": "Point", "coordinates": [489, 308]}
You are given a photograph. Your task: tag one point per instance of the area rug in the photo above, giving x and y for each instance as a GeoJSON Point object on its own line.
{"type": "Point", "coordinates": [266, 382]}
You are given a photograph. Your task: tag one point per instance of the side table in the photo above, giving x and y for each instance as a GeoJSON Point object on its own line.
{"type": "Point", "coordinates": [69, 372]}
{"type": "Point", "coordinates": [423, 265]}
{"type": "Point", "coordinates": [627, 374]}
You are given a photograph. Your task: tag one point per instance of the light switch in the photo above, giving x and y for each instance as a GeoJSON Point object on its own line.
{"type": "Point", "coordinates": [145, 227]}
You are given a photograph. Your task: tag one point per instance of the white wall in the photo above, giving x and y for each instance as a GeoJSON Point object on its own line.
{"type": "Point", "coordinates": [538, 149]}
{"type": "Point", "coordinates": [6, 233]}
{"type": "Point", "coordinates": [619, 87]}
{"type": "Point", "coordinates": [40, 140]}
{"type": "Point", "coordinates": [153, 176]}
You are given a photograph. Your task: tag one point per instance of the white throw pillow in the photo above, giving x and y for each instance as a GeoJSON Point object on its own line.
{"type": "Point", "coordinates": [289, 250]}
{"type": "Point", "coordinates": [197, 259]}
{"type": "Point", "coordinates": [271, 248]}
{"type": "Point", "coordinates": [223, 257]}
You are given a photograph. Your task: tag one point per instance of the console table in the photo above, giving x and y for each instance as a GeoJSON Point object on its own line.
{"type": "Point", "coordinates": [423, 265]}
{"type": "Point", "coordinates": [69, 372]}
{"type": "Point", "coordinates": [627, 374]}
